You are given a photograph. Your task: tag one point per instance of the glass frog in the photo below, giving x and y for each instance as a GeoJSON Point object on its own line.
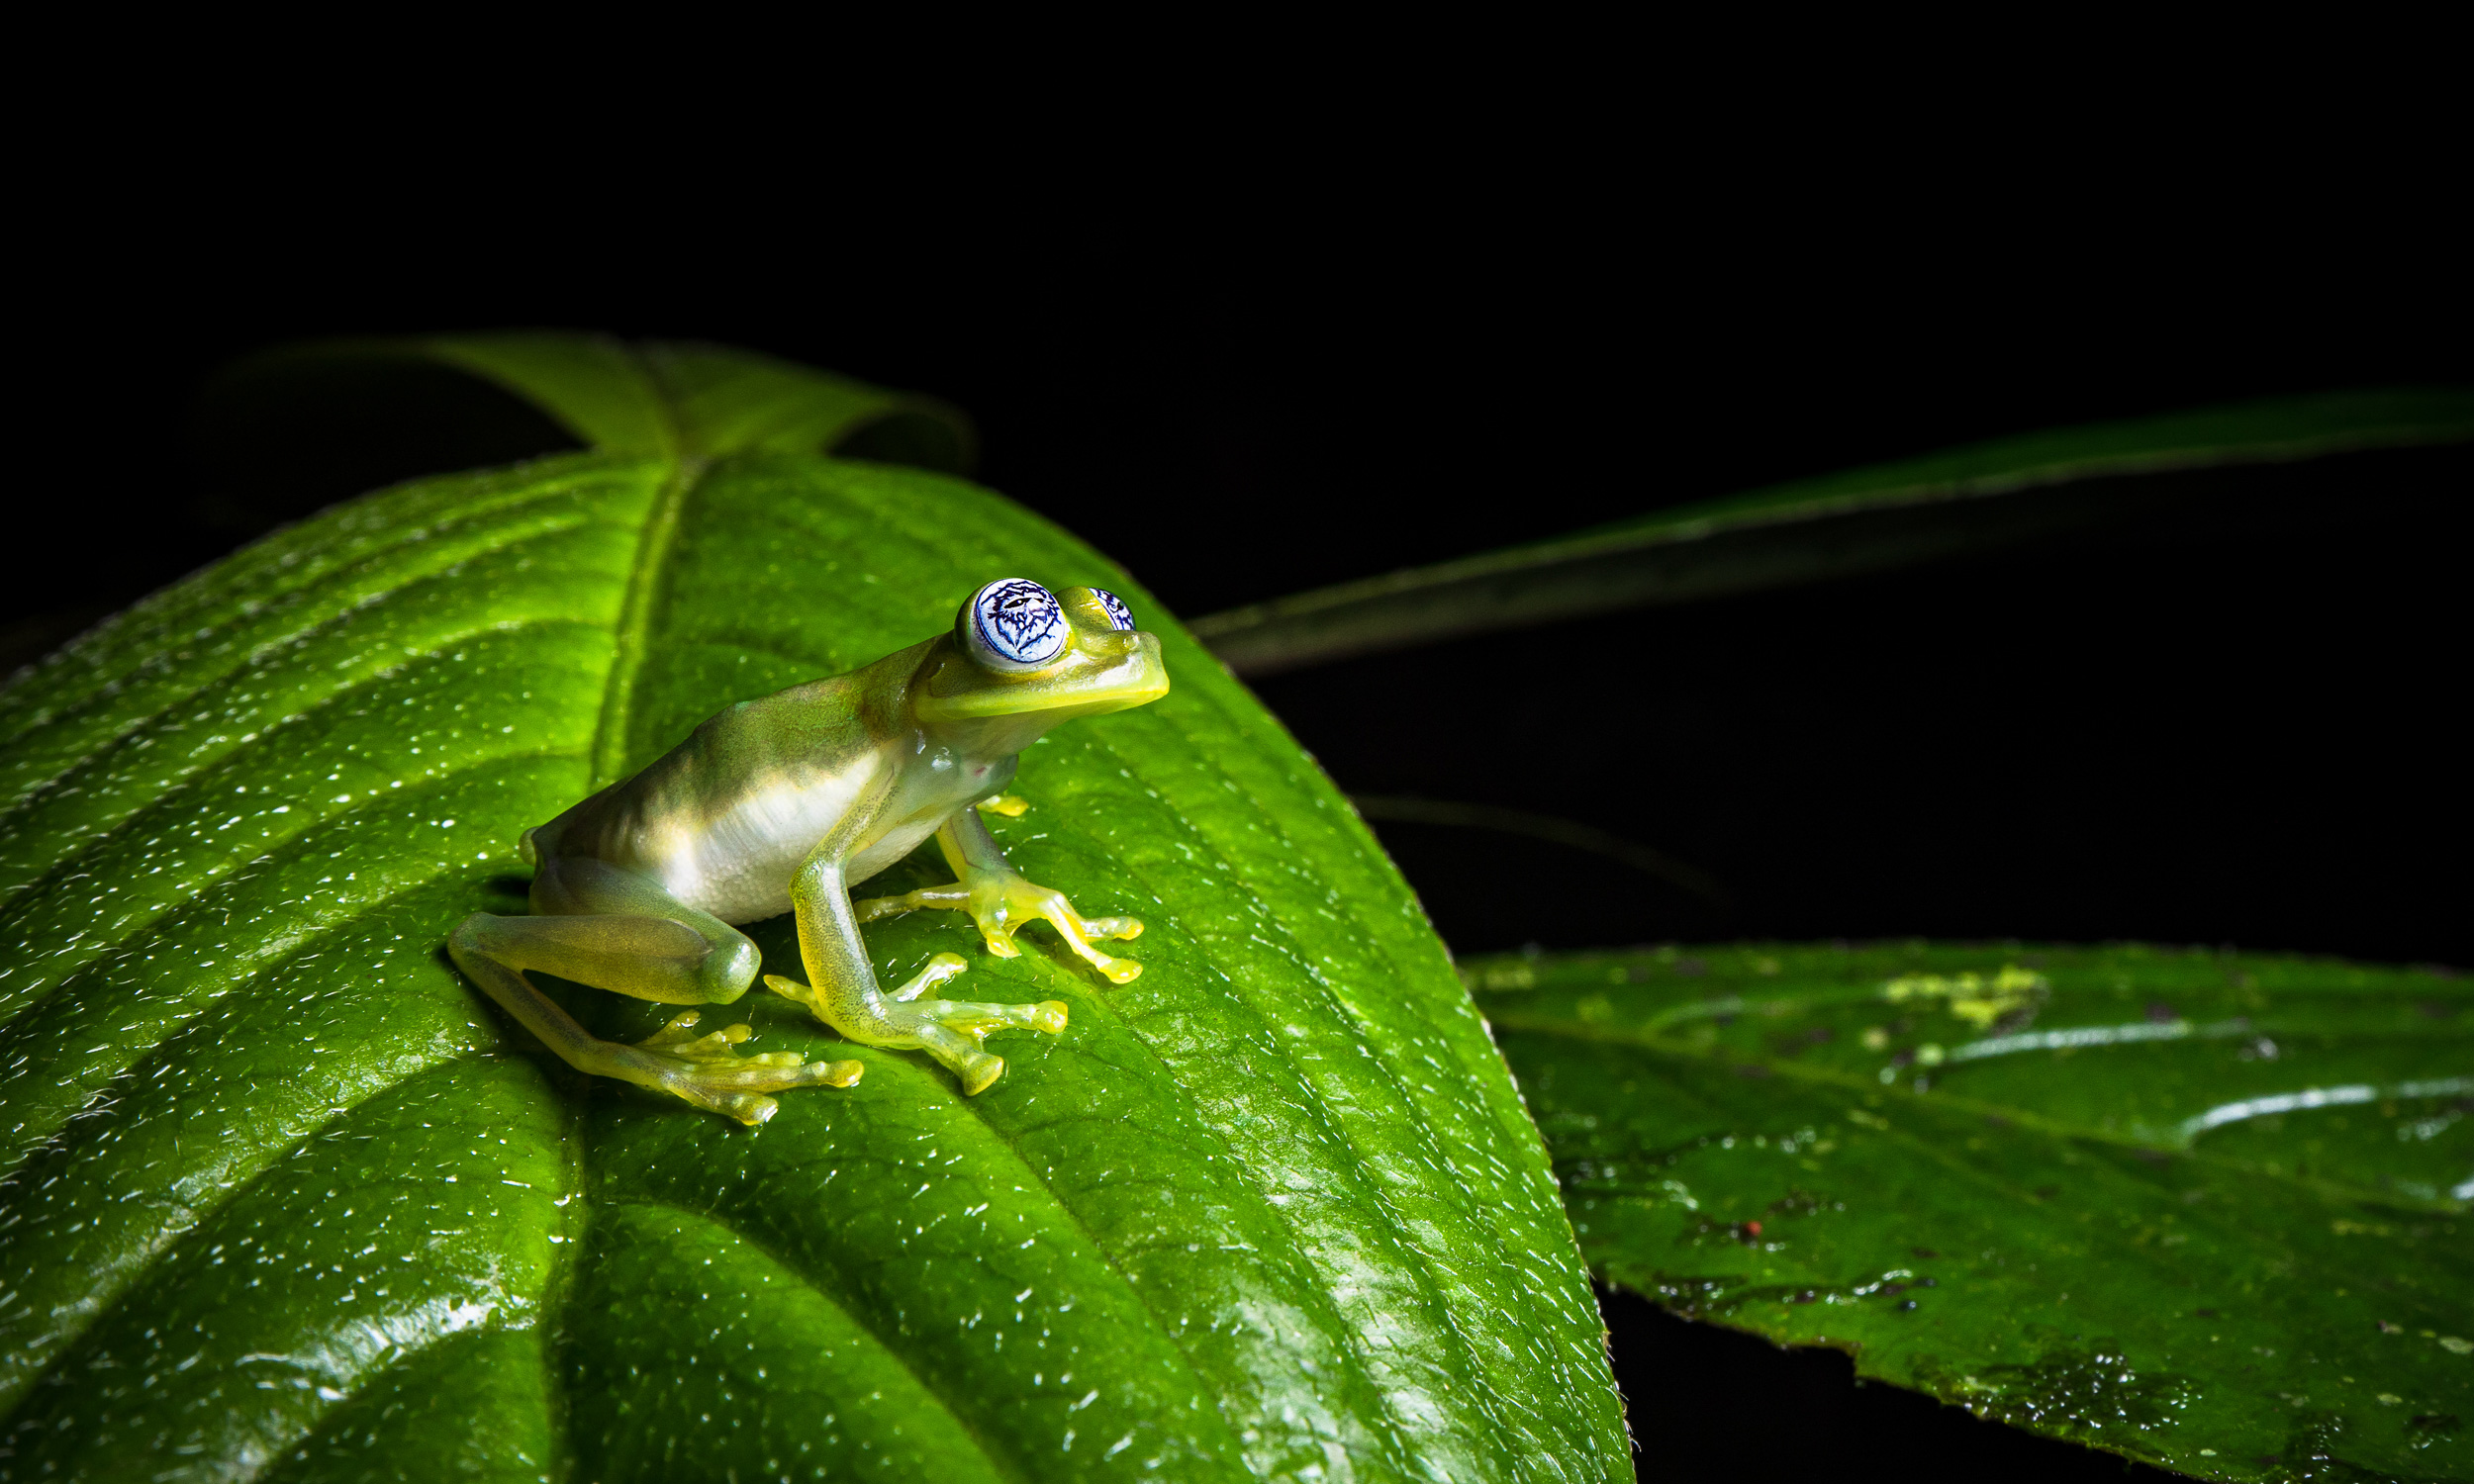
{"type": "Point", "coordinates": [783, 804]}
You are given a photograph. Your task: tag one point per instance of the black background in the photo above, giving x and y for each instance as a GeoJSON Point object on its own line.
{"type": "Point", "coordinates": [2247, 733]}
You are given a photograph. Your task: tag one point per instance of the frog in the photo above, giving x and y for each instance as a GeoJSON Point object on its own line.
{"type": "Point", "coordinates": [786, 803]}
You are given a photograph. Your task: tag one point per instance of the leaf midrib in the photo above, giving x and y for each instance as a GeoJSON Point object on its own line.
{"type": "Point", "coordinates": [895, 521]}
{"type": "Point", "coordinates": [998, 1464]}
{"type": "Point", "coordinates": [632, 637]}
{"type": "Point", "coordinates": [610, 754]}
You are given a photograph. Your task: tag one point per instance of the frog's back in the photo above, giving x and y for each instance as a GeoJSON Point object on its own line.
{"type": "Point", "coordinates": [723, 818]}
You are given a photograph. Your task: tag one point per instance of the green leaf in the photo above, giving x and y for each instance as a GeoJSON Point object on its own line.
{"type": "Point", "coordinates": [289, 1199]}
{"type": "Point", "coordinates": [669, 400]}
{"type": "Point", "coordinates": [1970, 499]}
{"type": "Point", "coordinates": [2205, 1209]}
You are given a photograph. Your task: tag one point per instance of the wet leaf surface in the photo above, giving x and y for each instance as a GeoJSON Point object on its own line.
{"type": "Point", "coordinates": [2199, 1208]}
{"type": "Point", "coordinates": [287, 1199]}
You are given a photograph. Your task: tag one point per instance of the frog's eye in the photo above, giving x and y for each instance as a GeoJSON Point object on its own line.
{"type": "Point", "coordinates": [1014, 622]}
{"type": "Point", "coordinates": [1118, 613]}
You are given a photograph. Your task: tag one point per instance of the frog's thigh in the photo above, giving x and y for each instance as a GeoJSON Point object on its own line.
{"type": "Point", "coordinates": [616, 930]}
{"type": "Point", "coordinates": [652, 958]}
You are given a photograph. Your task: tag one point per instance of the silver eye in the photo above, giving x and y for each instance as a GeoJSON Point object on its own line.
{"type": "Point", "coordinates": [1018, 621]}
{"type": "Point", "coordinates": [1118, 613]}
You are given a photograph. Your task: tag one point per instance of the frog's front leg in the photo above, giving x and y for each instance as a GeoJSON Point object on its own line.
{"type": "Point", "coordinates": [1002, 902]}
{"type": "Point", "coordinates": [842, 991]}
{"type": "Point", "coordinates": [598, 925]}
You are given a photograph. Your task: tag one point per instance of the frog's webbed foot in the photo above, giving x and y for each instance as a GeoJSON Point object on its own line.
{"type": "Point", "coordinates": [1003, 903]}
{"type": "Point", "coordinates": [950, 1030]}
{"type": "Point", "coordinates": [708, 1071]}
{"type": "Point", "coordinates": [1004, 906]}
{"type": "Point", "coordinates": [953, 1030]}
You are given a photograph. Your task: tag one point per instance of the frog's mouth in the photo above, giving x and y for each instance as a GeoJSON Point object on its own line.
{"type": "Point", "coordinates": [1102, 673]}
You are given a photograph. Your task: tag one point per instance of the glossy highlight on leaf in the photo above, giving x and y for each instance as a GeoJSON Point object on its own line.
{"type": "Point", "coordinates": [1962, 500]}
{"type": "Point", "coordinates": [2206, 1209]}
{"type": "Point", "coordinates": [287, 1199]}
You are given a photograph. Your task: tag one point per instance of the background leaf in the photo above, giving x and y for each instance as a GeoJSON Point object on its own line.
{"type": "Point", "coordinates": [1974, 499]}
{"type": "Point", "coordinates": [2206, 1209]}
{"type": "Point", "coordinates": [287, 1196]}
{"type": "Point", "coordinates": [662, 400]}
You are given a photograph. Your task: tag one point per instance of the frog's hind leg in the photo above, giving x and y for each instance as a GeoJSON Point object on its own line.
{"type": "Point", "coordinates": [954, 1032]}
{"type": "Point", "coordinates": [619, 931]}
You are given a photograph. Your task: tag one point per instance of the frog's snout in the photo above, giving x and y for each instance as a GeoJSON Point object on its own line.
{"type": "Point", "coordinates": [1138, 673]}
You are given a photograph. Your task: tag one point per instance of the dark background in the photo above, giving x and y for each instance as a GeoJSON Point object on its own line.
{"type": "Point", "coordinates": [2245, 730]}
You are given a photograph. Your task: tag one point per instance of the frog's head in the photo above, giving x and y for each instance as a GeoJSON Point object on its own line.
{"type": "Point", "coordinates": [1021, 651]}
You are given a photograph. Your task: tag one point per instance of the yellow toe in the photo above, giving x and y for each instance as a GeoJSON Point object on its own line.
{"type": "Point", "coordinates": [984, 1075]}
